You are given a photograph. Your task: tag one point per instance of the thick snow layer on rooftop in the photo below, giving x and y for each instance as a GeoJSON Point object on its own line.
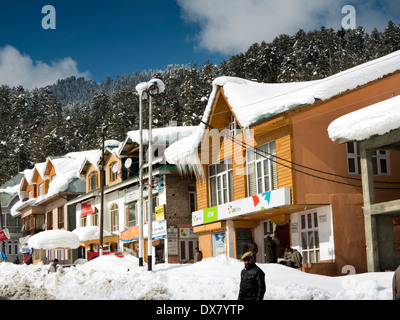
{"type": "Point", "coordinates": [89, 233]}
{"type": "Point", "coordinates": [377, 119]}
{"type": "Point", "coordinates": [66, 169]}
{"type": "Point", "coordinates": [164, 136]}
{"type": "Point", "coordinates": [252, 102]}
{"type": "Point", "coordinates": [52, 239]}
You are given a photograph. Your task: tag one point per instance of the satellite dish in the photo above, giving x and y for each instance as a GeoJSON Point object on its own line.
{"type": "Point", "coordinates": [115, 167]}
{"type": "Point", "coordinates": [128, 163]}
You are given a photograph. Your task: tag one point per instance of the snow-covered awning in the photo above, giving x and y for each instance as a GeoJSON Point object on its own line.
{"type": "Point", "coordinates": [376, 119]}
{"type": "Point", "coordinates": [54, 239]}
{"type": "Point", "coordinates": [89, 233]}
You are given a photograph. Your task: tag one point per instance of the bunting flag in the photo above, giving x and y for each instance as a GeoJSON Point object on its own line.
{"type": "Point", "coordinates": [3, 256]}
{"type": "Point", "coordinates": [4, 235]}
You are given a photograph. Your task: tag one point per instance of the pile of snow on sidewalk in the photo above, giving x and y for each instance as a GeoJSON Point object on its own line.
{"type": "Point", "coordinates": [110, 277]}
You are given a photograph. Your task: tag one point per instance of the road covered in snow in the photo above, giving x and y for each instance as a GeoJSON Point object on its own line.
{"type": "Point", "coordinates": [113, 278]}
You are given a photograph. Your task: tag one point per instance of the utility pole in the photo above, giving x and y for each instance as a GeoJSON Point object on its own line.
{"type": "Point", "coordinates": [102, 176]}
{"type": "Point", "coordinates": [150, 190]}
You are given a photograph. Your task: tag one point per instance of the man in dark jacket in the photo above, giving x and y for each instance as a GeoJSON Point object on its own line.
{"type": "Point", "coordinates": [396, 284]}
{"type": "Point", "coordinates": [252, 282]}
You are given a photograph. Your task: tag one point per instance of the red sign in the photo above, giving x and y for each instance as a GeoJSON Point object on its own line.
{"type": "Point", "coordinates": [4, 235]}
{"type": "Point", "coordinates": [86, 208]}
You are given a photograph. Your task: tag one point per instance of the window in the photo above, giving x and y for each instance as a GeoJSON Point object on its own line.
{"type": "Point", "coordinates": [233, 127]}
{"type": "Point", "coordinates": [146, 209]}
{"type": "Point", "coordinates": [380, 160]}
{"type": "Point", "coordinates": [93, 181]}
{"type": "Point", "coordinates": [95, 218]}
{"type": "Point", "coordinates": [114, 171]}
{"type": "Point", "coordinates": [309, 237]}
{"type": "Point", "coordinates": [41, 189]}
{"type": "Point", "coordinates": [187, 249]}
{"type": "Point", "coordinates": [261, 171]}
{"type": "Point", "coordinates": [84, 221]}
{"type": "Point", "coordinates": [131, 214]}
{"type": "Point", "coordinates": [49, 222]}
{"type": "Point", "coordinates": [114, 217]}
{"type": "Point", "coordinates": [221, 182]}
{"type": "Point", "coordinates": [192, 201]}
{"type": "Point", "coordinates": [60, 213]}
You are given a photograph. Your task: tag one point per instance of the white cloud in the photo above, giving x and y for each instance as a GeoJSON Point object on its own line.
{"type": "Point", "coordinates": [231, 26]}
{"type": "Point", "coordinates": [19, 69]}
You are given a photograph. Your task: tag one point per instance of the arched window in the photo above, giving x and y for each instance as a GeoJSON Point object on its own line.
{"type": "Point", "coordinates": [114, 217]}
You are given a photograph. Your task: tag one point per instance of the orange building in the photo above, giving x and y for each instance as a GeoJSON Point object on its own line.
{"type": "Point", "coordinates": [269, 166]}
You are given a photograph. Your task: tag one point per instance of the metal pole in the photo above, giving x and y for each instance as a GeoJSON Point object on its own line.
{"type": "Point", "coordinates": [141, 241]}
{"type": "Point", "coordinates": [150, 193]}
{"type": "Point", "coordinates": [1, 226]}
{"type": "Point", "coordinates": [102, 192]}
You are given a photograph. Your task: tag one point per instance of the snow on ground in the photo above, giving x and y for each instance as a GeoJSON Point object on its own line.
{"type": "Point", "coordinates": [110, 277]}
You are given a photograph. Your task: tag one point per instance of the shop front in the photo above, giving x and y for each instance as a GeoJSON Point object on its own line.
{"type": "Point", "coordinates": [227, 229]}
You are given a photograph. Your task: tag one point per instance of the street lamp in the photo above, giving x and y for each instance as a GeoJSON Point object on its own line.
{"type": "Point", "coordinates": [151, 89]}
{"type": "Point", "coordinates": [102, 176]}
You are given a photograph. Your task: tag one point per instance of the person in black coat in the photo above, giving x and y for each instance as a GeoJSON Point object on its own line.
{"type": "Point", "coordinates": [252, 280]}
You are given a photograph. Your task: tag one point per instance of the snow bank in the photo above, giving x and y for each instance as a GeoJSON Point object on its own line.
{"type": "Point", "coordinates": [377, 119]}
{"type": "Point", "coordinates": [110, 277]}
{"type": "Point", "coordinates": [253, 102]}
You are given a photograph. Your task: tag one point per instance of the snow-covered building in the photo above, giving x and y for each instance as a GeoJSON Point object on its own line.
{"type": "Point", "coordinates": [43, 193]}
{"type": "Point", "coordinates": [375, 130]}
{"type": "Point", "coordinates": [173, 196]}
{"type": "Point", "coordinates": [277, 169]}
{"type": "Point", "coordinates": [8, 197]}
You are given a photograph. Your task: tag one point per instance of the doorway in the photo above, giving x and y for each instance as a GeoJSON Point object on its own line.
{"type": "Point", "coordinates": [242, 239]}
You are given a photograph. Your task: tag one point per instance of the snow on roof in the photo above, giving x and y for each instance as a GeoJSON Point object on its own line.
{"type": "Point", "coordinates": [376, 119]}
{"type": "Point", "coordinates": [52, 239]}
{"type": "Point", "coordinates": [66, 168]}
{"type": "Point", "coordinates": [89, 233]}
{"type": "Point", "coordinates": [163, 136]}
{"type": "Point", "coordinates": [253, 102]}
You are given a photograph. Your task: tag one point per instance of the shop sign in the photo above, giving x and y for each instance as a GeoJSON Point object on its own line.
{"type": "Point", "coordinates": [86, 208]}
{"type": "Point", "coordinates": [159, 230]}
{"type": "Point", "coordinates": [242, 207]}
{"type": "Point", "coordinates": [187, 233]}
{"type": "Point", "coordinates": [160, 212]}
{"type": "Point", "coordinates": [172, 235]}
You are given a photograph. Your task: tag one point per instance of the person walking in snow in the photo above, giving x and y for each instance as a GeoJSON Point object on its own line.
{"type": "Point", "coordinates": [396, 284]}
{"type": "Point", "coordinates": [252, 279]}
{"type": "Point", "coordinates": [252, 246]}
{"type": "Point", "coordinates": [53, 266]}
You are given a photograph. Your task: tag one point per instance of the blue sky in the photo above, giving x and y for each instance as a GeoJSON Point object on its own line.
{"type": "Point", "coordinates": [96, 38]}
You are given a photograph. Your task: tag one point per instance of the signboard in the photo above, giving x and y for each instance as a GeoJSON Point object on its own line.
{"type": "Point", "coordinates": [130, 234]}
{"type": "Point", "coordinates": [187, 233]}
{"type": "Point", "coordinates": [160, 212]}
{"type": "Point", "coordinates": [159, 230]}
{"type": "Point", "coordinates": [172, 236]}
{"type": "Point", "coordinates": [4, 235]}
{"type": "Point", "coordinates": [242, 207]}
{"type": "Point", "coordinates": [86, 208]}
{"type": "Point", "coordinates": [219, 245]}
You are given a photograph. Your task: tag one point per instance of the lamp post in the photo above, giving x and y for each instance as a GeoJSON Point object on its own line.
{"type": "Point", "coordinates": [153, 90]}
{"type": "Point", "coordinates": [140, 183]}
{"type": "Point", "coordinates": [102, 176]}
